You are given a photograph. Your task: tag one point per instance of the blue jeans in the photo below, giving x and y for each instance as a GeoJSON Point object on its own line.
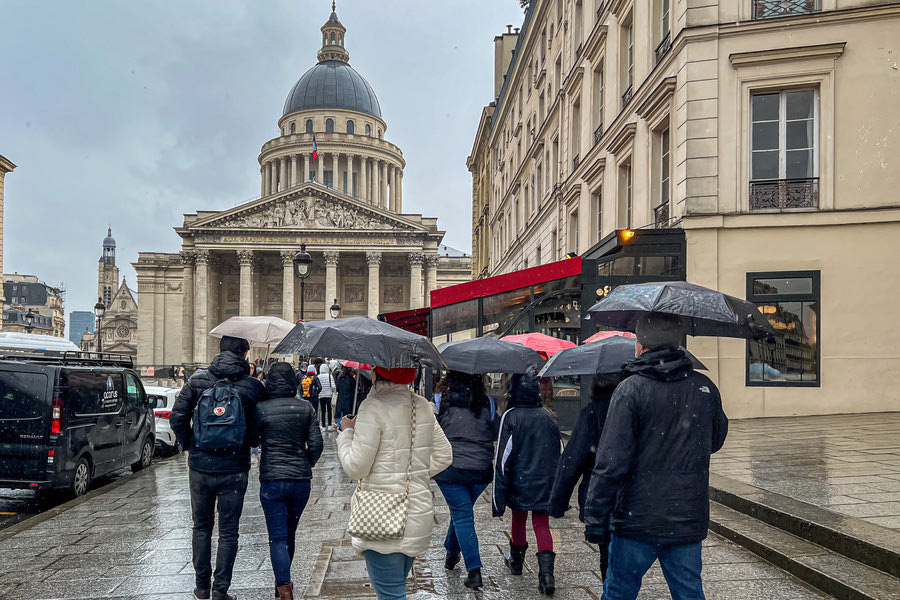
{"type": "Point", "coordinates": [388, 573]}
{"type": "Point", "coordinates": [283, 501]}
{"type": "Point", "coordinates": [629, 560]}
{"type": "Point", "coordinates": [461, 498]}
{"type": "Point", "coordinates": [211, 493]}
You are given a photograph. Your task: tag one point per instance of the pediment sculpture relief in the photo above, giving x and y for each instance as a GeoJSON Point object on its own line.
{"type": "Point", "coordinates": [306, 213]}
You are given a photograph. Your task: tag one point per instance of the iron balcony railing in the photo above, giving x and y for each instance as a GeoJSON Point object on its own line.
{"type": "Point", "coordinates": [626, 97]}
{"type": "Point", "coordinates": [661, 216]}
{"type": "Point", "coordinates": [784, 194]}
{"type": "Point", "coordinates": [663, 48]}
{"type": "Point", "coordinates": [598, 133]}
{"type": "Point", "coordinates": [770, 9]}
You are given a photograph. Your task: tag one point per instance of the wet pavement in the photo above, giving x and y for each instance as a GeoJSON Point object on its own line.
{"type": "Point", "coordinates": [133, 542]}
{"type": "Point", "coordinates": [848, 464]}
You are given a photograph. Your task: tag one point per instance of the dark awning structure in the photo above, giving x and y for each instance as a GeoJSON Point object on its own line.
{"type": "Point", "coordinates": [415, 320]}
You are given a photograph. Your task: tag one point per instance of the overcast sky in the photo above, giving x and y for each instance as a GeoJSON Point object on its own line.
{"type": "Point", "coordinates": [130, 114]}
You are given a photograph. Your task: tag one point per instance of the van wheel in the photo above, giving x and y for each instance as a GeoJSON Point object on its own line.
{"type": "Point", "coordinates": [146, 456]}
{"type": "Point", "coordinates": [81, 478]}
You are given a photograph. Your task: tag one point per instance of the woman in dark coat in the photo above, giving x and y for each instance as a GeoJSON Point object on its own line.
{"type": "Point", "coordinates": [577, 459]}
{"type": "Point", "coordinates": [291, 445]}
{"type": "Point", "coordinates": [527, 454]}
{"type": "Point", "coordinates": [346, 383]}
{"type": "Point", "coordinates": [469, 421]}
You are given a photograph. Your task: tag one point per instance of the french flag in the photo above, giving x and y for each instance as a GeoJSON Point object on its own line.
{"type": "Point", "coordinates": [315, 150]}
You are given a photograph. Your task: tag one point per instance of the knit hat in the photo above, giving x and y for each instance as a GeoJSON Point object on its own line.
{"type": "Point", "coordinates": [398, 375]}
{"type": "Point", "coordinates": [311, 370]}
{"type": "Point", "coordinates": [234, 344]}
{"type": "Point", "coordinates": [655, 330]}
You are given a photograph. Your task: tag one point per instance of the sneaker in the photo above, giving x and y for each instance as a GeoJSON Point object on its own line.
{"type": "Point", "coordinates": [200, 594]}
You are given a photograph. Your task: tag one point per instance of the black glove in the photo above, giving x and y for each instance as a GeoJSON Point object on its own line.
{"type": "Point", "coordinates": [595, 535]}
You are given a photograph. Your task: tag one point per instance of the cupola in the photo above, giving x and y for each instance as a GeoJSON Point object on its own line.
{"type": "Point", "coordinates": [333, 38]}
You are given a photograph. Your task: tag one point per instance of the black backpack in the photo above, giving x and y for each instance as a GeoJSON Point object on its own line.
{"type": "Point", "coordinates": [219, 421]}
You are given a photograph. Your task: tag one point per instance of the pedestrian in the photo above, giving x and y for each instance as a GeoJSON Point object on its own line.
{"type": "Point", "coordinates": [214, 418]}
{"type": "Point", "coordinates": [528, 450]}
{"type": "Point", "coordinates": [381, 449]}
{"type": "Point", "coordinates": [468, 419]}
{"type": "Point", "coordinates": [253, 369]}
{"type": "Point", "coordinates": [577, 460]}
{"type": "Point", "coordinates": [650, 483]}
{"type": "Point", "coordinates": [326, 385]}
{"type": "Point", "coordinates": [291, 446]}
{"type": "Point", "coordinates": [346, 385]}
{"type": "Point", "coordinates": [310, 387]}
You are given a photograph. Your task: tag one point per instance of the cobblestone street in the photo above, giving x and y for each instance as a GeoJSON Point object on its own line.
{"type": "Point", "coordinates": [133, 541]}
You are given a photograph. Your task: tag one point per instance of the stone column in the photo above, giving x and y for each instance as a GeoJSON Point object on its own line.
{"type": "Point", "coordinates": [245, 260]}
{"type": "Point", "coordinates": [431, 265]}
{"type": "Point", "coordinates": [389, 185]}
{"type": "Point", "coordinates": [187, 307]}
{"type": "Point", "coordinates": [383, 176]}
{"type": "Point", "coordinates": [287, 285]}
{"type": "Point", "coordinates": [335, 181]}
{"type": "Point", "coordinates": [373, 172]}
{"type": "Point", "coordinates": [363, 167]}
{"type": "Point", "coordinates": [283, 175]}
{"type": "Point", "coordinates": [295, 176]}
{"type": "Point", "coordinates": [373, 259]}
{"type": "Point", "coordinates": [201, 306]}
{"type": "Point", "coordinates": [262, 181]}
{"type": "Point", "coordinates": [400, 191]}
{"type": "Point", "coordinates": [305, 177]}
{"type": "Point", "coordinates": [415, 279]}
{"type": "Point", "coordinates": [273, 177]}
{"type": "Point", "coordinates": [331, 264]}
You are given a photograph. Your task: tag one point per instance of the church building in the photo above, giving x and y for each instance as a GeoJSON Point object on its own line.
{"type": "Point", "coordinates": [119, 326]}
{"type": "Point", "coordinates": [329, 180]}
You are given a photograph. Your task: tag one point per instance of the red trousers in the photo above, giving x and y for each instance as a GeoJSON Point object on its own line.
{"type": "Point", "coordinates": [540, 522]}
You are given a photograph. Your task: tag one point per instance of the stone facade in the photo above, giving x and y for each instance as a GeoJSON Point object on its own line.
{"type": "Point", "coordinates": [6, 166]}
{"type": "Point", "coordinates": [119, 327]}
{"type": "Point", "coordinates": [25, 293]}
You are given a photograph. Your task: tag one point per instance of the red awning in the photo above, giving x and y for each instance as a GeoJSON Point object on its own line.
{"type": "Point", "coordinates": [415, 320]}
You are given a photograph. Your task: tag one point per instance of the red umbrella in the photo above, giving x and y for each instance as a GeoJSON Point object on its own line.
{"type": "Point", "coordinates": [602, 335]}
{"type": "Point", "coordinates": [545, 345]}
{"type": "Point", "coordinates": [352, 364]}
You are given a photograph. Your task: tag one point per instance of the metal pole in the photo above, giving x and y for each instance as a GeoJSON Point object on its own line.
{"type": "Point", "coordinates": [302, 296]}
{"type": "Point", "coordinates": [99, 337]}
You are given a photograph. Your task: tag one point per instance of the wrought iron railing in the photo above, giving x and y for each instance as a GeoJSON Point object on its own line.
{"type": "Point", "coordinates": [769, 9]}
{"type": "Point", "coordinates": [598, 133]}
{"type": "Point", "coordinates": [576, 161]}
{"type": "Point", "coordinates": [784, 194]}
{"type": "Point", "coordinates": [663, 48]}
{"type": "Point", "coordinates": [661, 216]}
{"type": "Point", "coordinates": [626, 97]}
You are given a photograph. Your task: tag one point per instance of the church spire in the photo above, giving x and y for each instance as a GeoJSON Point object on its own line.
{"type": "Point", "coordinates": [333, 37]}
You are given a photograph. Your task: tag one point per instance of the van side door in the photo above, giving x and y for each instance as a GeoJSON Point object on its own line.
{"type": "Point", "coordinates": [136, 419]}
{"type": "Point", "coordinates": [95, 400]}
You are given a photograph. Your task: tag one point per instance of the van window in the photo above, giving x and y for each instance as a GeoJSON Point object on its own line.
{"type": "Point", "coordinates": [22, 395]}
{"type": "Point", "coordinates": [134, 390]}
{"type": "Point", "coordinates": [94, 393]}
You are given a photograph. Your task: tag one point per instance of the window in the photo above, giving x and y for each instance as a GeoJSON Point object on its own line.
{"type": "Point", "coordinates": [559, 11]}
{"type": "Point", "coordinates": [329, 179]}
{"type": "Point", "coordinates": [293, 128]}
{"type": "Point", "coordinates": [597, 212]}
{"type": "Point", "coordinates": [767, 9]}
{"type": "Point", "coordinates": [538, 191]}
{"type": "Point", "coordinates": [541, 108]}
{"type": "Point", "coordinates": [627, 54]}
{"type": "Point", "coordinates": [309, 126]}
{"type": "Point", "coordinates": [351, 127]}
{"type": "Point", "coordinates": [332, 38]}
{"type": "Point", "coordinates": [625, 199]}
{"type": "Point", "coordinates": [537, 256]}
{"type": "Point", "coordinates": [790, 301]}
{"type": "Point", "coordinates": [368, 130]}
{"type": "Point", "coordinates": [784, 150]}
{"type": "Point", "coordinates": [576, 134]}
{"type": "Point", "coordinates": [379, 134]}
{"type": "Point", "coordinates": [329, 125]}
{"type": "Point", "coordinates": [578, 33]}
{"type": "Point", "coordinates": [573, 232]}
{"type": "Point", "coordinates": [554, 247]}
{"type": "Point", "coordinates": [662, 177]}
{"type": "Point", "coordinates": [598, 104]}
{"type": "Point", "coordinates": [557, 73]}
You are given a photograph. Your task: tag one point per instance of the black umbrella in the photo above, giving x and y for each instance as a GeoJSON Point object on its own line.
{"type": "Point", "coordinates": [702, 311]}
{"type": "Point", "coordinates": [606, 357]}
{"type": "Point", "coordinates": [488, 355]}
{"type": "Point", "coordinates": [364, 340]}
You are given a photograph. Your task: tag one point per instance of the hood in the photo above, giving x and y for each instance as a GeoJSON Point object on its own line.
{"type": "Point", "coordinates": [230, 365]}
{"type": "Point", "coordinates": [524, 389]}
{"type": "Point", "coordinates": [323, 370]}
{"type": "Point", "coordinates": [663, 364]}
{"type": "Point", "coordinates": [281, 382]}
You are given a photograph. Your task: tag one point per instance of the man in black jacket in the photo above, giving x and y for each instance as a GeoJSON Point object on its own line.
{"type": "Point", "coordinates": [651, 477]}
{"type": "Point", "coordinates": [218, 476]}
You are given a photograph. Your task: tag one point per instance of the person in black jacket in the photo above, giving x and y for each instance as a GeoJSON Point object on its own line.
{"type": "Point", "coordinates": [220, 476]}
{"type": "Point", "coordinates": [291, 446]}
{"type": "Point", "coordinates": [528, 450]}
{"type": "Point", "coordinates": [577, 461]}
{"type": "Point", "coordinates": [651, 478]}
{"type": "Point", "coordinates": [469, 421]}
{"type": "Point", "coordinates": [346, 384]}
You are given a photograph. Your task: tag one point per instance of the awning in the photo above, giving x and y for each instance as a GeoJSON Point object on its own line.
{"type": "Point", "coordinates": [415, 320]}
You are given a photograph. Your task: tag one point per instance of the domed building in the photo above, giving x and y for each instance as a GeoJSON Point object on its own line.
{"type": "Point", "coordinates": [330, 180]}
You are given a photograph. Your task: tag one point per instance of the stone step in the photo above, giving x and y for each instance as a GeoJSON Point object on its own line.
{"type": "Point", "coordinates": [824, 569]}
{"type": "Point", "coordinates": [872, 545]}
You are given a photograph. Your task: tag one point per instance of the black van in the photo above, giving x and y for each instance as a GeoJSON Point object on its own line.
{"type": "Point", "coordinates": [69, 417]}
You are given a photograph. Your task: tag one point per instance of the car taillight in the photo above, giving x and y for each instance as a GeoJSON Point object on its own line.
{"type": "Point", "coordinates": [163, 414]}
{"type": "Point", "coordinates": [56, 416]}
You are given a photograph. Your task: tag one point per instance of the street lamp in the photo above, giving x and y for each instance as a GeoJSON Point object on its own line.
{"type": "Point", "coordinates": [302, 265]}
{"type": "Point", "coordinates": [335, 310]}
{"type": "Point", "coordinates": [29, 321]}
{"type": "Point", "coordinates": [99, 310]}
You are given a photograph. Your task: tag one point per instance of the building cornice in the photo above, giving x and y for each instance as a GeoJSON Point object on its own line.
{"type": "Point", "coordinates": [6, 165]}
{"type": "Point", "coordinates": [657, 101]}
{"type": "Point", "coordinates": [622, 139]}
{"type": "Point", "coordinates": [758, 58]}
{"type": "Point", "coordinates": [596, 43]}
{"type": "Point", "coordinates": [573, 80]}
{"type": "Point", "coordinates": [807, 218]}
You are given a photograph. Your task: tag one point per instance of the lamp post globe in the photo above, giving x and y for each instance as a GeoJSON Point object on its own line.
{"type": "Point", "coordinates": [99, 310]}
{"type": "Point", "coordinates": [335, 310]}
{"type": "Point", "coordinates": [29, 321]}
{"type": "Point", "coordinates": [302, 267]}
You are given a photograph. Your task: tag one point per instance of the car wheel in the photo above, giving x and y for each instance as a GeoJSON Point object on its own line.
{"type": "Point", "coordinates": [81, 478]}
{"type": "Point", "coordinates": [146, 456]}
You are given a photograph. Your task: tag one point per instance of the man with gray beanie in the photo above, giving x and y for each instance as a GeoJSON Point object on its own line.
{"type": "Point", "coordinates": [214, 418]}
{"type": "Point", "coordinates": [649, 487]}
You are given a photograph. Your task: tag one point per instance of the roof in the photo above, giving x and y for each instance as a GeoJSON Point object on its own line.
{"type": "Point", "coordinates": [332, 84]}
{"type": "Point", "coordinates": [415, 320]}
{"type": "Point", "coordinates": [444, 250]}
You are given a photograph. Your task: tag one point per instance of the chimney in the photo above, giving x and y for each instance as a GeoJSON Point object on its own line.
{"type": "Point", "coordinates": [503, 52]}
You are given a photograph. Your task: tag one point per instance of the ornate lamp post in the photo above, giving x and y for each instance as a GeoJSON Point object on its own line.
{"type": "Point", "coordinates": [99, 310]}
{"type": "Point", "coordinates": [302, 267]}
{"type": "Point", "coordinates": [29, 321]}
{"type": "Point", "coordinates": [335, 310]}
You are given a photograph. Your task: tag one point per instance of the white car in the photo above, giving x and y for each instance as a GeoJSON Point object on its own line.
{"type": "Point", "coordinates": [162, 400]}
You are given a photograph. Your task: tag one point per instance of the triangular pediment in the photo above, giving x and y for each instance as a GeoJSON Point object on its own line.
{"type": "Point", "coordinates": [123, 301]}
{"type": "Point", "coordinates": [308, 207]}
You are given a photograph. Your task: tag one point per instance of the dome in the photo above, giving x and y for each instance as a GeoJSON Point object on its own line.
{"type": "Point", "coordinates": [332, 84]}
{"type": "Point", "coordinates": [109, 241]}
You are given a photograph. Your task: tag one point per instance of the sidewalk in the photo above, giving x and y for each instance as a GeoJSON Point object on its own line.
{"type": "Point", "coordinates": [133, 542]}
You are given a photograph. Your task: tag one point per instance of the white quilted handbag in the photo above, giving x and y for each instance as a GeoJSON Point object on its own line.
{"type": "Point", "coordinates": [380, 516]}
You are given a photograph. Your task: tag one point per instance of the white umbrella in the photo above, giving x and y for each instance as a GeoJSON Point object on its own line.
{"type": "Point", "coordinates": [260, 332]}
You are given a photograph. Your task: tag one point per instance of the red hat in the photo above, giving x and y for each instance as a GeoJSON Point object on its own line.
{"type": "Point", "coordinates": [399, 375]}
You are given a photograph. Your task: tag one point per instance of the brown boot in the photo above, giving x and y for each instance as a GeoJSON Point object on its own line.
{"type": "Point", "coordinates": [286, 591]}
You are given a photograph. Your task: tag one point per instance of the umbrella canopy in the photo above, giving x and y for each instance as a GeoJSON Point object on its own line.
{"type": "Point", "coordinates": [702, 311]}
{"type": "Point", "coordinates": [352, 364]}
{"type": "Point", "coordinates": [606, 357]}
{"type": "Point", "coordinates": [489, 355]}
{"type": "Point", "coordinates": [364, 340]}
{"type": "Point", "coordinates": [602, 335]}
{"type": "Point", "coordinates": [261, 332]}
{"type": "Point", "coordinates": [545, 345]}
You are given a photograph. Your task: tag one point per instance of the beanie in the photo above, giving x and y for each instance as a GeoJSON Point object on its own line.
{"type": "Point", "coordinates": [404, 376]}
{"type": "Point", "coordinates": [234, 344]}
{"type": "Point", "coordinates": [655, 330]}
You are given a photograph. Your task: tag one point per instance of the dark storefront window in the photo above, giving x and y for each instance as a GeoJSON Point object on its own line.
{"type": "Point", "coordinates": [500, 310]}
{"type": "Point", "coordinates": [790, 301]}
{"type": "Point", "coordinates": [456, 320]}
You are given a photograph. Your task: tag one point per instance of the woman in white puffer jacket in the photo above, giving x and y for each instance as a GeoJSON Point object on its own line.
{"type": "Point", "coordinates": [374, 446]}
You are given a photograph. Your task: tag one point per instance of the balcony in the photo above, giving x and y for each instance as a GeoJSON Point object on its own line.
{"type": "Point", "coordinates": [784, 194]}
{"type": "Point", "coordinates": [663, 48]}
{"type": "Point", "coordinates": [576, 161]}
{"type": "Point", "coordinates": [626, 97]}
{"type": "Point", "coordinates": [598, 133]}
{"type": "Point", "coordinates": [661, 216]}
{"type": "Point", "coordinates": [770, 9]}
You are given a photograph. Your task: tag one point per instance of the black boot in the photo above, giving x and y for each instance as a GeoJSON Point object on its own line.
{"type": "Point", "coordinates": [546, 581]}
{"type": "Point", "coordinates": [515, 558]}
{"type": "Point", "coordinates": [473, 579]}
{"type": "Point", "coordinates": [451, 561]}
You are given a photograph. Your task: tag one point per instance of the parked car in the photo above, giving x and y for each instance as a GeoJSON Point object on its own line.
{"type": "Point", "coordinates": [67, 418]}
{"type": "Point", "coordinates": [162, 399]}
